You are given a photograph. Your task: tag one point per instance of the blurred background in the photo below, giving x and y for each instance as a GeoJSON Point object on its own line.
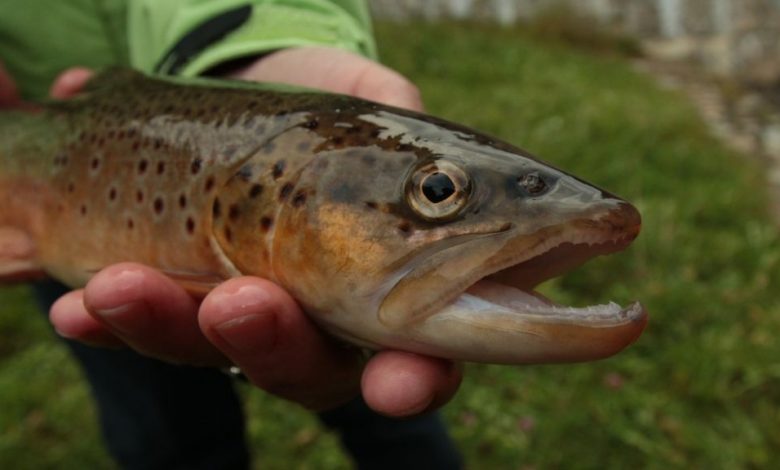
{"type": "Point", "coordinates": [672, 104]}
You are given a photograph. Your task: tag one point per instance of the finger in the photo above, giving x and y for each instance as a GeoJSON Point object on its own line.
{"type": "Point", "coordinates": [9, 95]}
{"type": "Point", "coordinates": [263, 331]}
{"type": "Point", "coordinates": [71, 320]}
{"type": "Point", "coordinates": [150, 313]}
{"type": "Point", "coordinates": [397, 383]}
{"type": "Point", "coordinates": [383, 85]}
{"type": "Point", "coordinates": [338, 71]}
{"type": "Point", "coordinates": [70, 82]}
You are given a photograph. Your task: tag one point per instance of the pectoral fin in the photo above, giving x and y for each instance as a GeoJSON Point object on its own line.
{"type": "Point", "coordinates": [17, 256]}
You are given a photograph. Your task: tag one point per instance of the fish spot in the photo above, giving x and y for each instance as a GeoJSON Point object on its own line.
{"type": "Point", "coordinates": [130, 224]}
{"type": "Point", "coordinates": [209, 184]}
{"type": "Point", "coordinates": [255, 190]}
{"type": "Point", "coordinates": [371, 204]}
{"type": "Point", "coordinates": [71, 187]}
{"type": "Point", "coordinates": [136, 145]}
{"type": "Point", "coordinates": [139, 196]}
{"type": "Point", "coordinates": [245, 173]}
{"type": "Point", "coordinates": [337, 141]}
{"type": "Point", "coordinates": [142, 166]}
{"type": "Point", "coordinates": [299, 199]}
{"type": "Point", "coordinates": [266, 223]}
{"type": "Point", "coordinates": [112, 194]}
{"type": "Point", "coordinates": [285, 191]}
{"type": "Point", "coordinates": [182, 201]}
{"type": "Point", "coordinates": [158, 206]}
{"type": "Point", "coordinates": [190, 225]}
{"type": "Point", "coordinates": [216, 209]}
{"type": "Point", "coordinates": [83, 209]}
{"type": "Point", "coordinates": [228, 235]}
{"type": "Point", "coordinates": [120, 135]}
{"type": "Point", "coordinates": [405, 228]}
{"type": "Point", "coordinates": [233, 212]}
{"type": "Point", "coordinates": [311, 123]}
{"type": "Point", "coordinates": [196, 165]}
{"type": "Point", "coordinates": [160, 168]}
{"type": "Point", "coordinates": [278, 169]}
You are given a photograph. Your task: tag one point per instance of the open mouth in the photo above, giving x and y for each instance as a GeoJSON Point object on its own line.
{"type": "Point", "coordinates": [511, 289]}
{"type": "Point", "coordinates": [496, 316]}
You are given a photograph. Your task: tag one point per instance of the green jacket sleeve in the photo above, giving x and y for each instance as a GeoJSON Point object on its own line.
{"type": "Point", "coordinates": [187, 37]}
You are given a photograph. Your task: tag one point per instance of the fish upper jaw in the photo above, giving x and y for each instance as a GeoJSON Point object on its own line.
{"type": "Point", "coordinates": [492, 315]}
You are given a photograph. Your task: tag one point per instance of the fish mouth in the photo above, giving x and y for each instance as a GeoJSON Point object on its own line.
{"type": "Point", "coordinates": [495, 315]}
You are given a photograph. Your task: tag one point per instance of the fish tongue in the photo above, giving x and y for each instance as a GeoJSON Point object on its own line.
{"type": "Point", "coordinates": [508, 296]}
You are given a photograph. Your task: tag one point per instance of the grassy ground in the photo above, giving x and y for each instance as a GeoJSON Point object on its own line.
{"type": "Point", "coordinates": [702, 386]}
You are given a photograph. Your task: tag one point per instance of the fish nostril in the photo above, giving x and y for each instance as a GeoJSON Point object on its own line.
{"type": "Point", "coordinates": [532, 183]}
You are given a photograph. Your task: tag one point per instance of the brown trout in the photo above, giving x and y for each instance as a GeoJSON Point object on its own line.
{"type": "Point", "coordinates": [392, 229]}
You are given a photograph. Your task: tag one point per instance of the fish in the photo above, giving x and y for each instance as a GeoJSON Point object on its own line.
{"type": "Point", "coordinates": [391, 228]}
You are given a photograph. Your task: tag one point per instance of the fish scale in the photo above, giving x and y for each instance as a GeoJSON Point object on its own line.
{"type": "Point", "coordinates": [390, 228]}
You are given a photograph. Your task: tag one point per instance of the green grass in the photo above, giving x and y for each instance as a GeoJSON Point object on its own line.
{"type": "Point", "coordinates": [701, 388]}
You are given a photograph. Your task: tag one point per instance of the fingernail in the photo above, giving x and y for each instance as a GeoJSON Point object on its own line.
{"type": "Point", "coordinates": [127, 318]}
{"type": "Point", "coordinates": [253, 333]}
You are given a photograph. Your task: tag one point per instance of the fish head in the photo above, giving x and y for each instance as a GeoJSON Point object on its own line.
{"type": "Point", "coordinates": [430, 237]}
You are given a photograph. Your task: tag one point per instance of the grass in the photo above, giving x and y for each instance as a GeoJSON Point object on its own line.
{"type": "Point", "coordinates": [701, 388]}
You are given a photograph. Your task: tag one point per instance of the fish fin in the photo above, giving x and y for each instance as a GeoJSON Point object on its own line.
{"type": "Point", "coordinates": [17, 256]}
{"type": "Point", "coordinates": [197, 284]}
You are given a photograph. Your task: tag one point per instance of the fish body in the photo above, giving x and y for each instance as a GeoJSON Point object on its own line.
{"type": "Point", "coordinates": [391, 228]}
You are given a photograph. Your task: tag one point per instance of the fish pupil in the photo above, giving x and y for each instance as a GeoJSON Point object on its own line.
{"type": "Point", "coordinates": [437, 187]}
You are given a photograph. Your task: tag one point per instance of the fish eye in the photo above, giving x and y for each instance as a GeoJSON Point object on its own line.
{"type": "Point", "coordinates": [438, 190]}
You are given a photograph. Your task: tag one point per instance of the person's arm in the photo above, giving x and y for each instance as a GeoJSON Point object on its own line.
{"type": "Point", "coordinates": [251, 322]}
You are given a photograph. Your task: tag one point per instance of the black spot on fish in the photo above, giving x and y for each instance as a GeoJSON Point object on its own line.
{"type": "Point", "coordinates": [160, 168]}
{"type": "Point", "coordinates": [112, 194]}
{"type": "Point", "coordinates": [245, 173]}
{"type": "Point", "coordinates": [285, 191]}
{"type": "Point", "coordinates": [216, 209]}
{"type": "Point", "coordinates": [209, 185]}
{"type": "Point", "coordinates": [371, 204]}
{"type": "Point", "coordinates": [299, 199]}
{"type": "Point", "coordinates": [195, 166]}
{"type": "Point", "coordinates": [405, 228]}
{"type": "Point", "coordinates": [182, 201]}
{"type": "Point", "coordinates": [233, 212]}
{"type": "Point", "coordinates": [71, 187]}
{"type": "Point", "coordinates": [95, 163]}
{"type": "Point", "coordinates": [190, 225]}
{"type": "Point", "coordinates": [136, 146]}
{"type": "Point", "coordinates": [255, 190]}
{"type": "Point", "coordinates": [266, 223]}
{"type": "Point", "coordinates": [228, 235]}
{"type": "Point", "coordinates": [142, 167]}
{"type": "Point", "coordinates": [311, 124]}
{"type": "Point", "coordinates": [278, 169]}
{"type": "Point", "coordinates": [83, 209]}
{"type": "Point", "coordinates": [139, 196]}
{"type": "Point", "coordinates": [158, 205]}
{"type": "Point", "coordinates": [130, 224]}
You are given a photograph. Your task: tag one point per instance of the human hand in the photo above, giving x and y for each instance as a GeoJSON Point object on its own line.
{"type": "Point", "coordinates": [250, 322]}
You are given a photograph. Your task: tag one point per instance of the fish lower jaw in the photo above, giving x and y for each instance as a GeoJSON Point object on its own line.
{"type": "Point", "coordinates": [490, 296]}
